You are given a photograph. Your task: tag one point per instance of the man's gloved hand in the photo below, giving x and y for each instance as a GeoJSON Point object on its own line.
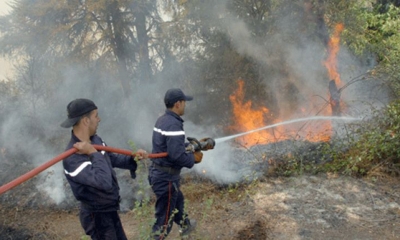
{"type": "Point", "coordinates": [190, 148]}
{"type": "Point", "coordinates": [198, 156]}
{"type": "Point", "coordinates": [207, 143]}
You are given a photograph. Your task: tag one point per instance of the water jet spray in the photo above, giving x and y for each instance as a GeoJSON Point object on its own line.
{"type": "Point", "coordinates": [223, 139]}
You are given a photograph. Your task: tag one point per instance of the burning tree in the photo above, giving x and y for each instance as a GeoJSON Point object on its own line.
{"type": "Point", "coordinates": [331, 65]}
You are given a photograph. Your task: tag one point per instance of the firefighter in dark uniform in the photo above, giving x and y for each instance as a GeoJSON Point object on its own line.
{"type": "Point", "coordinates": [164, 173]}
{"type": "Point", "coordinates": [90, 173]}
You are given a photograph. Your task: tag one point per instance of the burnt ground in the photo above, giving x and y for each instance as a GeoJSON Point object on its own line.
{"type": "Point", "coordinates": [304, 207]}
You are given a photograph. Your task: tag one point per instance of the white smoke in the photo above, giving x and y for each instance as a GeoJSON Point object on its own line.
{"type": "Point", "coordinates": [304, 68]}
{"type": "Point", "coordinates": [133, 118]}
{"type": "Point", "coordinates": [221, 166]}
{"type": "Point", "coordinates": [51, 183]}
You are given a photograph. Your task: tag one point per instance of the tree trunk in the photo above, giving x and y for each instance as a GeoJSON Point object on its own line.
{"type": "Point", "coordinates": [145, 72]}
{"type": "Point", "coordinates": [114, 22]}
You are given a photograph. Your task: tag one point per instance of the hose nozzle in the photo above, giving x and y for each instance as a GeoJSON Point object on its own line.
{"type": "Point", "coordinates": [202, 145]}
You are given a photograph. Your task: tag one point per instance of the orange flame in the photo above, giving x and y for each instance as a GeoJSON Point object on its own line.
{"type": "Point", "coordinates": [333, 49]}
{"type": "Point", "coordinates": [246, 117]}
{"type": "Point", "coordinates": [331, 65]}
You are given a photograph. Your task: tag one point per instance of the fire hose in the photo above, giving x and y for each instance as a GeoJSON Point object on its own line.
{"type": "Point", "coordinates": [62, 156]}
{"type": "Point", "coordinates": [202, 145]}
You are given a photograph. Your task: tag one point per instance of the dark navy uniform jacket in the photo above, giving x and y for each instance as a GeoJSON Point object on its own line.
{"type": "Point", "coordinates": [92, 177]}
{"type": "Point", "coordinates": [169, 136]}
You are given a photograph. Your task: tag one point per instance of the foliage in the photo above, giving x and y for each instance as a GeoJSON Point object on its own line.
{"type": "Point", "coordinates": [223, 34]}
{"type": "Point", "coordinates": [372, 28]}
{"type": "Point", "coordinates": [110, 34]}
{"type": "Point", "coordinates": [8, 98]}
{"type": "Point", "coordinates": [305, 158]}
{"type": "Point", "coordinates": [377, 149]}
{"type": "Point", "coordinates": [206, 46]}
{"type": "Point", "coordinates": [370, 148]}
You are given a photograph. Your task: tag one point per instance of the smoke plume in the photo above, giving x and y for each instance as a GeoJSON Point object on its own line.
{"type": "Point", "coordinates": [132, 119]}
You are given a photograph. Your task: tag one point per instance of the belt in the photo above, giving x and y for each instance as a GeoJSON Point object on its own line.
{"type": "Point", "coordinates": [101, 208]}
{"type": "Point", "coordinates": [169, 170]}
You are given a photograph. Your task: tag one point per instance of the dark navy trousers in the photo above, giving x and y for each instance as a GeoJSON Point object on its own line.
{"type": "Point", "coordinates": [102, 225]}
{"type": "Point", "coordinates": [169, 206]}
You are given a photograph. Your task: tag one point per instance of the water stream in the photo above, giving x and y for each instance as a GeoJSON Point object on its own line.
{"type": "Point", "coordinates": [223, 139]}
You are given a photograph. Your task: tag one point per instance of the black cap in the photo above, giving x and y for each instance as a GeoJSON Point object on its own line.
{"type": "Point", "coordinates": [76, 109]}
{"type": "Point", "coordinates": [175, 94]}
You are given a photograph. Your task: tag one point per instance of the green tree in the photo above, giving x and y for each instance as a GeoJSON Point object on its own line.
{"type": "Point", "coordinates": [111, 33]}
{"type": "Point", "coordinates": [235, 40]}
{"type": "Point", "coordinates": [371, 27]}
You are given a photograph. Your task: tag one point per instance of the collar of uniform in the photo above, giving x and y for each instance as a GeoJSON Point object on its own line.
{"type": "Point", "coordinates": [76, 139]}
{"type": "Point", "coordinates": [169, 112]}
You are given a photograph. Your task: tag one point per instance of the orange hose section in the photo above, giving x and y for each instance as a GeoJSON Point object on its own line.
{"type": "Point", "coordinates": [36, 171]}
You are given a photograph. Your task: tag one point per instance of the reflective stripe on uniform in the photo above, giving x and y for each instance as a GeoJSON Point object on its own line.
{"type": "Point", "coordinates": [78, 170]}
{"type": "Point", "coordinates": [169, 133]}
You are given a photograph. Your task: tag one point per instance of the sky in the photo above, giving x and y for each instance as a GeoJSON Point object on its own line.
{"type": "Point", "coordinates": [4, 8]}
{"type": "Point", "coordinates": [5, 65]}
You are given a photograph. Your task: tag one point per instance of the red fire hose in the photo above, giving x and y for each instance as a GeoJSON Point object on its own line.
{"type": "Point", "coordinates": [60, 157]}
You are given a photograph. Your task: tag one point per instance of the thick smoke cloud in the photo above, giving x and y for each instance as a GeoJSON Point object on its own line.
{"type": "Point", "coordinates": [133, 118]}
{"type": "Point", "coordinates": [303, 60]}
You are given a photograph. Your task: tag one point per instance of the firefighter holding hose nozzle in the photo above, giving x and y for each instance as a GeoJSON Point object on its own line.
{"type": "Point", "coordinates": [164, 173]}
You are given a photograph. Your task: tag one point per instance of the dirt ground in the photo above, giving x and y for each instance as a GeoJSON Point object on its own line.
{"type": "Point", "coordinates": [306, 207]}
